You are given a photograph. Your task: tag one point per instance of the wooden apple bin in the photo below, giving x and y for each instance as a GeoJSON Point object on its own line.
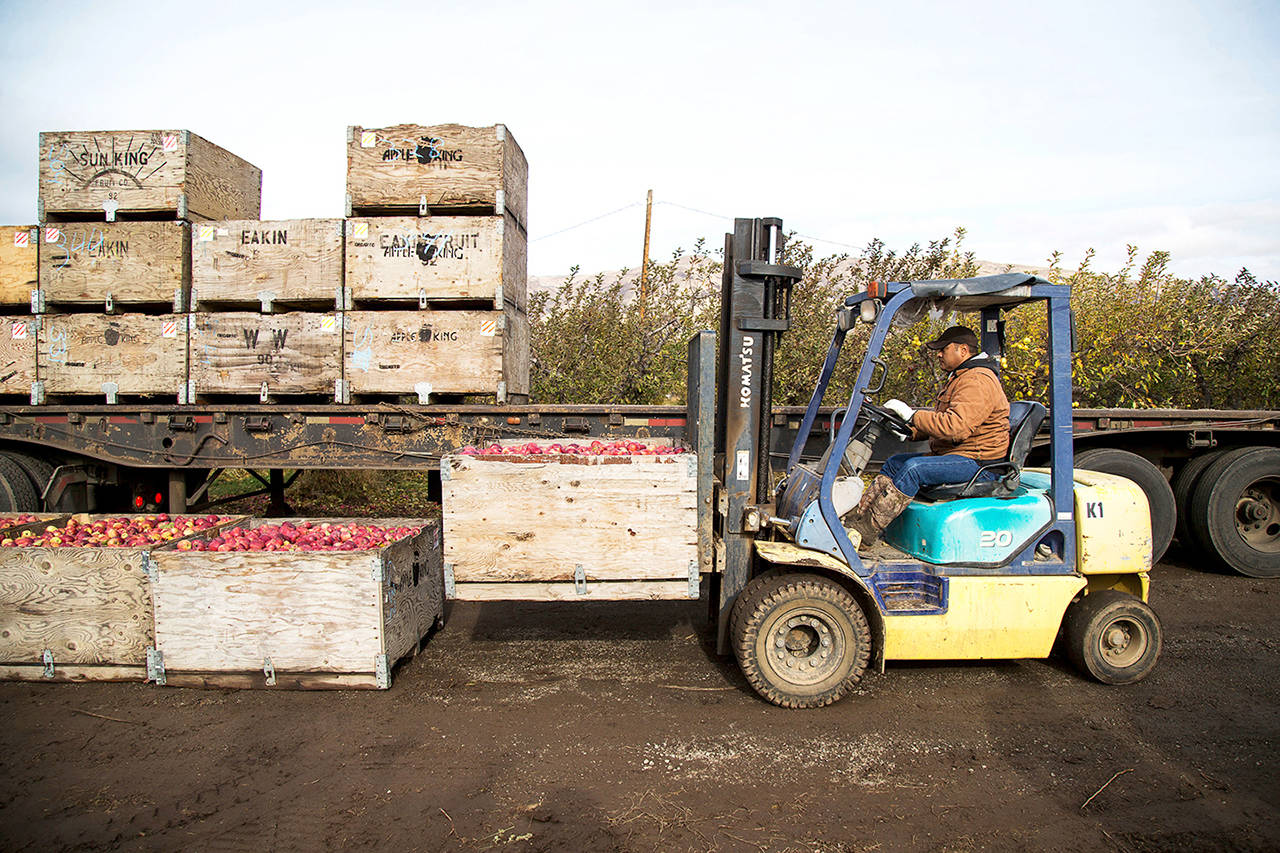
{"type": "Point", "coordinates": [76, 613]}
{"type": "Point", "coordinates": [296, 619]}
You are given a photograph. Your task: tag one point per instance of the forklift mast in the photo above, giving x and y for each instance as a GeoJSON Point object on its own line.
{"type": "Point", "coordinates": [755, 309]}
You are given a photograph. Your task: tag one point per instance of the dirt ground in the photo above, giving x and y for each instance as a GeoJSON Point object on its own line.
{"type": "Point", "coordinates": [594, 727]}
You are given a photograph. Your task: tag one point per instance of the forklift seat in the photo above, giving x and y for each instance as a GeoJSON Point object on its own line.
{"type": "Point", "coordinates": [1025, 418]}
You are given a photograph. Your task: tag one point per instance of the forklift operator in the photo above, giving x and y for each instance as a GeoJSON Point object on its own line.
{"type": "Point", "coordinates": [968, 426]}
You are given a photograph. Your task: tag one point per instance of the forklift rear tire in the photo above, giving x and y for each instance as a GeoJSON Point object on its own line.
{"type": "Point", "coordinates": [1113, 637]}
{"type": "Point", "coordinates": [802, 641]}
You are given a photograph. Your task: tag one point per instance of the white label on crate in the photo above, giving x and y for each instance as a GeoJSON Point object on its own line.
{"type": "Point", "coordinates": [489, 328]}
{"type": "Point", "coordinates": [19, 330]}
{"type": "Point", "coordinates": [223, 232]}
{"type": "Point", "coordinates": [744, 465]}
{"type": "Point", "coordinates": [169, 142]}
{"type": "Point", "coordinates": [368, 139]}
{"type": "Point", "coordinates": [52, 235]}
{"type": "Point", "coordinates": [206, 233]}
{"type": "Point", "coordinates": [21, 239]}
{"type": "Point", "coordinates": [169, 329]}
{"type": "Point", "coordinates": [329, 323]}
{"type": "Point", "coordinates": [360, 230]}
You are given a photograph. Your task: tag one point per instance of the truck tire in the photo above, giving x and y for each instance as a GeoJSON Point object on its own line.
{"type": "Point", "coordinates": [1235, 511]}
{"type": "Point", "coordinates": [16, 492]}
{"type": "Point", "coordinates": [802, 641]}
{"type": "Point", "coordinates": [1183, 483]}
{"type": "Point", "coordinates": [1122, 463]}
{"type": "Point", "coordinates": [38, 472]}
{"type": "Point", "coordinates": [1112, 636]}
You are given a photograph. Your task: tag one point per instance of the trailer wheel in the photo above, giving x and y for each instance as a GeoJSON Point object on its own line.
{"type": "Point", "coordinates": [1113, 637]}
{"type": "Point", "coordinates": [38, 472]}
{"type": "Point", "coordinates": [1184, 482]}
{"type": "Point", "coordinates": [802, 641]}
{"type": "Point", "coordinates": [16, 493]}
{"type": "Point", "coordinates": [1122, 463]}
{"type": "Point", "coordinates": [1235, 510]}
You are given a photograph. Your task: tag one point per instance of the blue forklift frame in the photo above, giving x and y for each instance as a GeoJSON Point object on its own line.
{"type": "Point", "coordinates": [999, 293]}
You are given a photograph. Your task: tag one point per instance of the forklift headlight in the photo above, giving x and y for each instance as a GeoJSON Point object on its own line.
{"type": "Point", "coordinates": [869, 310]}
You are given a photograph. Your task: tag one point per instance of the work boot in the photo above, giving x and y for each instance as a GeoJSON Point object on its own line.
{"type": "Point", "coordinates": [886, 504]}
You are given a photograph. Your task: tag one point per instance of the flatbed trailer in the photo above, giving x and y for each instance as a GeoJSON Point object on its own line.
{"type": "Point", "coordinates": [129, 457]}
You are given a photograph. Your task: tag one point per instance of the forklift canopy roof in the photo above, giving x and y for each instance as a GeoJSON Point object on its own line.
{"type": "Point", "coordinates": [969, 294]}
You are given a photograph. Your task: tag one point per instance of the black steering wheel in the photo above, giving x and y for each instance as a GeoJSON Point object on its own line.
{"type": "Point", "coordinates": [889, 420]}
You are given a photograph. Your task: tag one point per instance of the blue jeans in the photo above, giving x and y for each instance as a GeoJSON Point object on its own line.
{"type": "Point", "coordinates": [912, 471]}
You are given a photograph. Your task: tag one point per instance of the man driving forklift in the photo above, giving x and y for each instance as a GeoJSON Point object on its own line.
{"type": "Point", "coordinates": [967, 427]}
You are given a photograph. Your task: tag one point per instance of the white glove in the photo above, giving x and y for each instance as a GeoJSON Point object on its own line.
{"type": "Point", "coordinates": [900, 409]}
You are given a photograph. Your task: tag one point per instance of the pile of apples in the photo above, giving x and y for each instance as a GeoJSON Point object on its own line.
{"type": "Point", "coordinates": [306, 536]}
{"type": "Point", "coordinates": [18, 520]}
{"type": "Point", "coordinates": [595, 448]}
{"type": "Point", "coordinates": [122, 532]}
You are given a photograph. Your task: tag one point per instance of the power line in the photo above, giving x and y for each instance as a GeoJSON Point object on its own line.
{"type": "Point", "coordinates": [588, 221]}
{"type": "Point", "coordinates": [695, 210]}
{"type": "Point", "coordinates": [830, 242]}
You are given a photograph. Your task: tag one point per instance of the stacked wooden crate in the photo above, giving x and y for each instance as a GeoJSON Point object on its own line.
{"type": "Point", "coordinates": [265, 299]}
{"type": "Point", "coordinates": [114, 279]}
{"type": "Point", "coordinates": [18, 273]}
{"type": "Point", "coordinates": [435, 281]}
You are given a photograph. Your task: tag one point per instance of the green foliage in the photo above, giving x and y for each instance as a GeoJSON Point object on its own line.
{"type": "Point", "coordinates": [1146, 338]}
{"type": "Point", "coordinates": [592, 342]}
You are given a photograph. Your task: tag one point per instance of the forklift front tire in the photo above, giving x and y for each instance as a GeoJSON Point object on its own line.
{"type": "Point", "coordinates": [802, 641]}
{"type": "Point", "coordinates": [1113, 637]}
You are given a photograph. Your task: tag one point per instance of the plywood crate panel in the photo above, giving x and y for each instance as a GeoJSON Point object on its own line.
{"type": "Point", "coordinates": [290, 262]}
{"type": "Point", "coordinates": [446, 167]}
{"type": "Point", "coordinates": [141, 355]}
{"type": "Point", "coordinates": [437, 352]}
{"type": "Point", "coordinates": [559, 527]}
{"type": "Point", "coordinates": [19, 266]}
{"type": "Point", "coordinates": [147, 172]}
{"type": "Point", "coordinates": [297, 618]}
{"type": "Point", "coordinates": [89, 608]}
{"type": "Point", "coordinates": [17, 354]}
{"type": "Point", "coordinates": [115, 263]}
{"type": "Point", "coordinates": [424, 259]}
{"type": "Point", "coordinates": [249, 353]}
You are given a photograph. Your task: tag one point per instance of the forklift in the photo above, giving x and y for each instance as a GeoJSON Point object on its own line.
{"type": "Point", "coordinates": [1010, 565]}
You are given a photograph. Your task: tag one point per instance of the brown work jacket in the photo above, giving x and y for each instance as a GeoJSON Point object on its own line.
{"type": "Point", "coordinates": [971, 415]}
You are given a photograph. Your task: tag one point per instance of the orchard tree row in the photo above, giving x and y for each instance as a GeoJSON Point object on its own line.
{"type": "Point", "coordinates": [1145, 338]}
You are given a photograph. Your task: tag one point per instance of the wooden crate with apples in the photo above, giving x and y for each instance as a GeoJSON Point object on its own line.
{"type": "Point", "coordinates": [105, 174]}
{"type": "Point", "coordinates": [276, 265]}
{"type": "Point", "coordinates": [19, 264]}
{"type": "Point", "coordinates": [440, 169]}
{"type": "Point", "coordinates": [306, 604]}
{"type": "Point", "coordinates": [438, 261]}
{"type": "Point", "coordinates": [76, 597]}
{"type": "Point", "coordinates": [603, 520]}
{"type": "Point", "coordinates": [110, 265]}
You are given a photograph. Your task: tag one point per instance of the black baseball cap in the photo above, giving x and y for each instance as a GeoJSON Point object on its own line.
{"type": "Point", "coordinates": [955, 335]}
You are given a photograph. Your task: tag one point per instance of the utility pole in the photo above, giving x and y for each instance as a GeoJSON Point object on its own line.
{"type": "Point", "coordinates": [644, 264]}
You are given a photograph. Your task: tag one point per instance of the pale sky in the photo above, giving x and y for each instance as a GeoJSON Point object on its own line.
{"type": "Point", "coordinates": [1036, 126]}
